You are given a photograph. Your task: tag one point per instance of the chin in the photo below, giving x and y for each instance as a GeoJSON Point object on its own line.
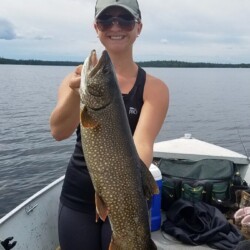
{"type": "Point", "coordinates": [118, 48]}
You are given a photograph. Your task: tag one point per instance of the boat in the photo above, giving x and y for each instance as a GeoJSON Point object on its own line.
{"type": "Point", "coordinates": [33, 223]}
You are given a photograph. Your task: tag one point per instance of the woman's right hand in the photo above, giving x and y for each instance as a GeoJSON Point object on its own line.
{"type": "Point", "coordinates": [75, 80]}
{"type": "Point", "coordinates": [65, 117]}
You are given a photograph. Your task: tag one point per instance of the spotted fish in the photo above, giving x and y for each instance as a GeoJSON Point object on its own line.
{"type": "Point", "coordinates": [121, 181]}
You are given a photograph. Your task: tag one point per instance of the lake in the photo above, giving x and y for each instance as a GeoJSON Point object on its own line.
{"type": "Point", "coordinates": [211, 104]}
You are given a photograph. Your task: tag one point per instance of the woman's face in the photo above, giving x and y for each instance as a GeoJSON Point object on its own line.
{"type": "Point", "coordinates": [117, 29]}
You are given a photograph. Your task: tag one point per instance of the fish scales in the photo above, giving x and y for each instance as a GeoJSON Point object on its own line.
{"type": "Point", "coordinates": [120, 179]}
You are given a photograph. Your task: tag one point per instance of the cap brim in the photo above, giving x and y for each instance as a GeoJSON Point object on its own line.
{"type": "Point", "coordinates": [131, 11]}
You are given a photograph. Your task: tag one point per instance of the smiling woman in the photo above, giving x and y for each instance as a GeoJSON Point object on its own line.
{"type": "Point", "coordinates": [117, 24]}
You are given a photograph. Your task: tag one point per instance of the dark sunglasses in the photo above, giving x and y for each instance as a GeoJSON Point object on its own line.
{"type": "Point", "coordinates": [126, 22]}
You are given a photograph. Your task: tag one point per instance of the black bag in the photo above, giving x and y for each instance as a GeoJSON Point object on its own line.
{"type": "Point", "coordinates": [208, 180]}
{"type": "Point", "coordinates": [200, 223]}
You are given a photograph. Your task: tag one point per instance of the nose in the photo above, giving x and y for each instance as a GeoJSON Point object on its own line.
{"type": "Point", "coordinates": [115, 21]}
{"type": "Point", "coordinates": [115, 24]}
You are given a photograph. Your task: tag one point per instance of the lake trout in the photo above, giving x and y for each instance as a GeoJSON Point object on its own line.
{"type": "Point", "coordinates": [121, 180]}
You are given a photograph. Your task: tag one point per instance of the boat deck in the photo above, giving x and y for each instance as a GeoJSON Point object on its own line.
{"type": "Point", "coordinates": [166, 242]}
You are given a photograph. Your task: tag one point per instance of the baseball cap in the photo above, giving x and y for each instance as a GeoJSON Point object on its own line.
{"type": "Point", "coordinates": [130, 5]}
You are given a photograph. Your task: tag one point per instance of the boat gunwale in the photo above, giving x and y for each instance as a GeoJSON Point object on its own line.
{"type": "Point", "coordinates": [30, 199]}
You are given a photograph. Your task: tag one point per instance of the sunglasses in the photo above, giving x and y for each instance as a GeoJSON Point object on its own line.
{"type": "Point", "coordinates": [126, 22]}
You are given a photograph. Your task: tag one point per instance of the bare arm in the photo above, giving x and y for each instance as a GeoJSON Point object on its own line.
{"type": "Point", "coordinates": [65, 117]}
{"type": "Point", "coordinates": [153, 113]}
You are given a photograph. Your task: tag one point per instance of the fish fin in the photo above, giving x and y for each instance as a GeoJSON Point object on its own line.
{"type": "Point", "coordinates": [149, 184]}
{"type": "Point", "coordinates": [115, 245]}
{"type": "Point", "coordinates": [87, 120]}
{"type": "Point", "coordinates": [101, 208]}
{"type": "Point", "coordinates": [112, 246]}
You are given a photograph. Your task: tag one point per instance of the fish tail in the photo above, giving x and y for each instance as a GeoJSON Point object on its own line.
{"type": "Point", "coordinates": [149, 184]}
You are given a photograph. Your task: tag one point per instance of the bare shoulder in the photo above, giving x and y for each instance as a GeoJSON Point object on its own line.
{"type": "Point", "coordinates": [155, 87]}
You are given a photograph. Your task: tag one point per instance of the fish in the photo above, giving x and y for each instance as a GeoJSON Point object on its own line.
{"type": "Point", "coordinates": [122, 182]}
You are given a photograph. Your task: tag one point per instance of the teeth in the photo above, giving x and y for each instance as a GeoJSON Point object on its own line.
{"type": "Point", "coordinates": [116, 37]}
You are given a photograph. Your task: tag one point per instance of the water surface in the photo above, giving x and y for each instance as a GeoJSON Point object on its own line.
{"type": "Point", "coordinates": [211, 104]}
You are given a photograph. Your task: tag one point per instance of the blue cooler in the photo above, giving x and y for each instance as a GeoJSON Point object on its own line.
{"type": "Point", "coordinates": [156, 200]}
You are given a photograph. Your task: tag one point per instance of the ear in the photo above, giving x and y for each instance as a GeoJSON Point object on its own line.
{"type": "Point", "coordinates": [96, 29]}
{"type": "Point", "coordinates": [139, 28]}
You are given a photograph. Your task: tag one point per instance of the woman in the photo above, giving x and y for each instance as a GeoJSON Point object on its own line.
{"type": "Point", "coordinates": [146, 98]}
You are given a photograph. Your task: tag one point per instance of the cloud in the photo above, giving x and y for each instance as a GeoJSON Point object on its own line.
{"type": "Point", "coordinates": [42, 37]}
{"type": "Point", "coordinates": [7, 31]}
{"type": "Point", "coordinates": [164, 41]}
{"type": "Point", "coordinates": [33, 33]}
{"type": "Point", "coordinates": [187, 30]}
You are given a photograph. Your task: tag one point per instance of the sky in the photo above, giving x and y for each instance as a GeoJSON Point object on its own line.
{"type": "Point", "coordinates": [215, 31]}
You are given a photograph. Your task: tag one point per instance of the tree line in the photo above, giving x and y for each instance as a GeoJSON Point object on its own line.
{"type": "Point", "coordinates": [180, 64]}
{"type": "Point", "coordinates": [153, 64]}
{"type": "Point", "coordinates": [38, 62]}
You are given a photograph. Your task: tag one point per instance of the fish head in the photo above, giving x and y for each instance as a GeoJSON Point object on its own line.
{"type": "Point", "coordinates": [98, 82]}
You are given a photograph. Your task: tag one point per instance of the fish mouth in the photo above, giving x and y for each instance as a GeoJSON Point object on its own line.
{"type": "Point", "coordinates": [103, 66]}
{"type": "Point", "coordinates": [104, 63]}
{"type": "Point", "coordinates": [95, 88]}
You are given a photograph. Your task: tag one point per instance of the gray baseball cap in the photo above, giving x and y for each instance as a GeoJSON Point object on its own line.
{"type": "Point", "coordinates": [130, 5]}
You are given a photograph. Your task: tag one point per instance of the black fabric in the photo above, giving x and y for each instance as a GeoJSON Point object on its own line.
{"type": "Point", "coordinates": [78, 191]}
{"type": "Point", "coordinates": [134, 100]}
{"type": "Point", "coordinates": [200, 223]}
{"type": "Point", "coordinates": [243, 245]}
{"type": "Point", "coordinates": [79, 231]}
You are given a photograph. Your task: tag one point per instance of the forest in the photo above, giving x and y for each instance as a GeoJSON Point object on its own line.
{"type": "Point", "coordinates": [152, 64]}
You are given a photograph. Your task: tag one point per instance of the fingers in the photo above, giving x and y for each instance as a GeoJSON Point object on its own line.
{"type": "Point", "coordinates": [75, 79]}
{"type": "Point", "coordinates": [74, 82]}
{"type": "Point", "coordinates": [78, 70]}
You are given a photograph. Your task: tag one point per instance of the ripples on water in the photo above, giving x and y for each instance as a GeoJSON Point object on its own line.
{"type": "Point", "coordinates": [211, 104]}
{"type": "Point", "coordinates": [30, 158]}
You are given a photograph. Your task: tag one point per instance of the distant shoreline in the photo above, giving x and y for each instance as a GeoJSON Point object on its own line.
{"type": "Point", "coordinates": [152, 64]}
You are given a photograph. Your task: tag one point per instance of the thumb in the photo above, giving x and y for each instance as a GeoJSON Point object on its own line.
{"type": "Point", "coordinates": [78, 70]}
{"type": "Point", "coordinates": [75, 79]}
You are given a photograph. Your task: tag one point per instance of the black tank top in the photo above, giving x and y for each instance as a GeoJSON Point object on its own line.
{"type": "Point", "coordinates": [78, 191]}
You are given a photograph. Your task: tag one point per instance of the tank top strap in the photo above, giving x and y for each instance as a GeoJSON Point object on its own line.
{"type": "Point", "coordinates": [134, 99]}
{"type": "Point", "coordinates": [138, 87]}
